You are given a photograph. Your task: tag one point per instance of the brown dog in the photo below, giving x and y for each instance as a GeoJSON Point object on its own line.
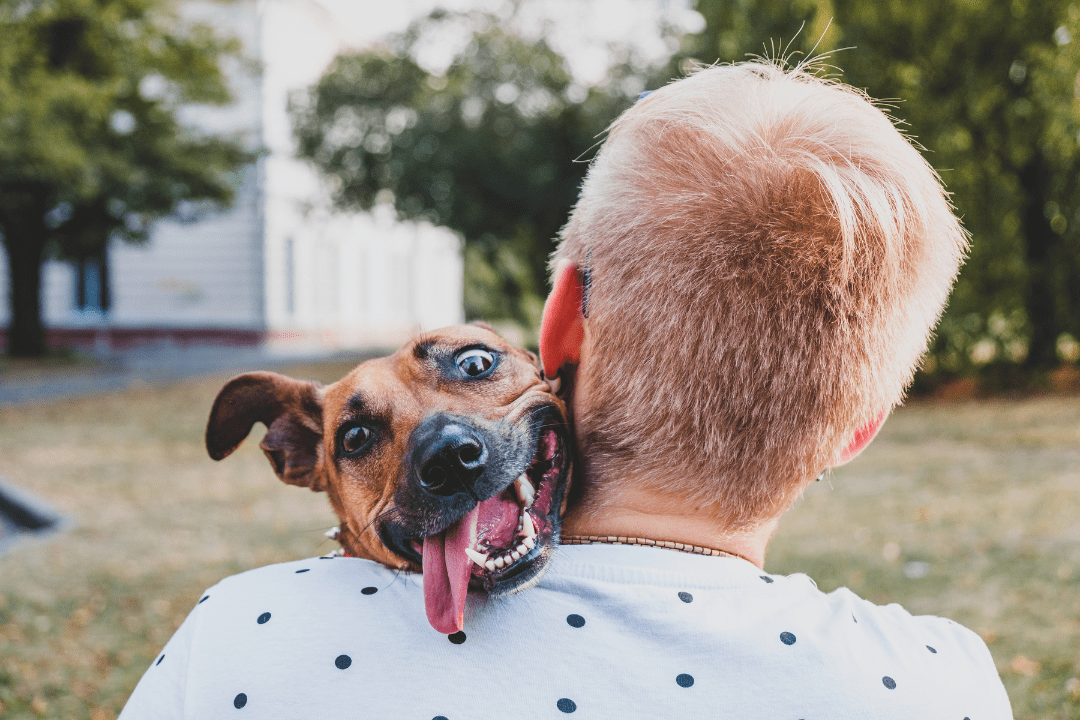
{"type": "Point", "coordinates": [450, 457]}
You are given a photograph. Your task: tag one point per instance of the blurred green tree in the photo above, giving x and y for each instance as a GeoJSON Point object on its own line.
{"type": "Point", "coordinates": [990, 88]}
{"type": "Point", "coordinates": [487, 148]}
{"type": "Point", "coordinates": [91, 143]}
{"type": "Point", "coordinates": [491, 148]}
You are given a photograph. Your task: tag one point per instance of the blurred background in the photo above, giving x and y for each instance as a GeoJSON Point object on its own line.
{"type": "Point", "coordinates": [190, 188]}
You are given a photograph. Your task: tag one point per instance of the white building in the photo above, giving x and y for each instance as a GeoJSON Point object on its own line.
{"type": "Point", "coordinates": [280, 267]}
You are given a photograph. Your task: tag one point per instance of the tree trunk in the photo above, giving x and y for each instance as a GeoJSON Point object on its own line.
{"type": "Point", "coordinates": [26, 335]}
{"type": "Point", "coordinates": [22, 221]}
{"type": "Point", "coordinates": [1041, 242]}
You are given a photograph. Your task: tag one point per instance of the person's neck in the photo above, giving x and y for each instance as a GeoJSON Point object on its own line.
{"type": "Point", "coordinates": [634, 512]}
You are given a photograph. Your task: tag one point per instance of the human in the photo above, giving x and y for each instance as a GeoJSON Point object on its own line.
{"type": "Point", "coordinates": [740, 297]}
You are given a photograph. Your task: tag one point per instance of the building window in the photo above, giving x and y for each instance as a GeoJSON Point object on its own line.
{"type": "Point", "coordinates": [290, 276]}
{"type": "Point", "coordinates": [92, 285]}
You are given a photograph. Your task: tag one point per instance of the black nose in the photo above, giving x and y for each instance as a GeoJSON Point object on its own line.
{"type": "Point", "coordinates": [451, 460]}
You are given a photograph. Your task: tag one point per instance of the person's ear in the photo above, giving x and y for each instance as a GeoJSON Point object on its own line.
{"type": "Point", "coordinates": [562, 329]}
{"type": "Point", "coordinates": [861, 439]}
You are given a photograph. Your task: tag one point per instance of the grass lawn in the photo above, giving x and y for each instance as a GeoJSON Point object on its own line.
{"type": "Point", "coordinates": [969, 510]}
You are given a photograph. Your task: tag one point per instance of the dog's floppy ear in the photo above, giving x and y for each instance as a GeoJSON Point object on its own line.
{"type": "Point", "coordinates": [292, 412]}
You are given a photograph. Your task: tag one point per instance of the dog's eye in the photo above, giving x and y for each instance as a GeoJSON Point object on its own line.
{"type": "Point", "coordinates": [474, 362]}
{"type": "Point", "coordinates": [355, 438]}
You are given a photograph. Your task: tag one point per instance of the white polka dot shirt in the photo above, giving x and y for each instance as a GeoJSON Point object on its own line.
{"type": "Point", "coordinates": [616, 632]}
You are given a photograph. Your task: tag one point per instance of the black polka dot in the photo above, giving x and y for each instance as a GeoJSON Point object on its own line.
{"type": "Point", "coordinates": [931, 649]}
{"type": "Point", "coordinates": [787, 638]}
{"type": "Point", "coordinates": [888, 682]}
{"type": "Point", "coordinates": [369, 591]}
{"type": "Point", "coordinates": [264, 618]}
{"type": "Point", "coordinates": [575, 621]}
{"type": "Point", "coordinates": [566, 705]}
{"type": "Point", "coordinates": [440, 717]}
{"type": "Point", "coordinates": [343, 662]}
{"type": "Point", "coordinates": [685, 680]}
{"type": "Point", "coordinates": [766, 578]}
{"type": "Point", "coordinates": [160, 659]}
{"type": "Point", "coordinates": [327, 557]}
{"type": "Point", "coordinates": [203, 599]}
{"type": "Point", "coordinates": [457, 638]}
{"type": "Point", "coordinates": [302, 571]}
{"type": "Point", "coordinates": [239, 701]}
{"type": "Point", "coordinates": [686, 597]}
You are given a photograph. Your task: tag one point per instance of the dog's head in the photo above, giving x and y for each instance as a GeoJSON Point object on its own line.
{"type": "Point", "coordinates": [451, 456]}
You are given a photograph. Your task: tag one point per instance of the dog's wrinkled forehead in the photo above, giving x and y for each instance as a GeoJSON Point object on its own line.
{"type": "Point", "coordinates": [468, 370]}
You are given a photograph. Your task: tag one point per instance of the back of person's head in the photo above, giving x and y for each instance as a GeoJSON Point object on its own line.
{"type": "Point", "coordinates": [765, 257]}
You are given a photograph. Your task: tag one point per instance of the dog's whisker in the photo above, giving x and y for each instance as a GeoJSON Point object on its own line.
{"type": "Point", "coordinates": [383, 515]}
{"type": "Point", "coordinates": [319, 545]}
{"type": "Point", "coordinates": [311, 530]}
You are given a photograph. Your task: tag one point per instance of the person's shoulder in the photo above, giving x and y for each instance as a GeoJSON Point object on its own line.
{"type": "Point", "coordinates": [930, 661]}
{"type": "Point", "coordinates": [893, 622]}
{"type": "Point", "coordinates": [946, 654]}
{"type": "Point", "coordinates": [303, 597]}
{"type": "Point", "coordinates": [323, 575]}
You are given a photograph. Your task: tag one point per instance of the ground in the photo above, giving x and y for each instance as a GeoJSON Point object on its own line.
{"type": "Point", "coordinates": [969, 510]}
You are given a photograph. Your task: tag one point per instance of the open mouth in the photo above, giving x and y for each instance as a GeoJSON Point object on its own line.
{"type": "Point", "coordinates": [515, 527]}
{"type": "Point", "coordinates": [503, 543]}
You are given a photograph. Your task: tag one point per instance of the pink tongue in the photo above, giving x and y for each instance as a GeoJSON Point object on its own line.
{"type": "Point", "coordinates": [446, 573]}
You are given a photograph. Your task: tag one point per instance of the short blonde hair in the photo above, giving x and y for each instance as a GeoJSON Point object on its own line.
{"type": "Point", "coordinates": [766, 256]}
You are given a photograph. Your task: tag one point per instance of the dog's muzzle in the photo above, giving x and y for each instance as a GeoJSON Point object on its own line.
{"type": "Point", "coordinates": [482, 505]}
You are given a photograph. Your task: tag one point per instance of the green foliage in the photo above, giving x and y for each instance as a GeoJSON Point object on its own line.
{"type": "Point", "coordinates": [736, 29]}
{"type": "Point", "coordinates": [490, 148]}
{"type": "Point", "coordinates": [92, 145]}
{"type": "Point", "coordinates": [990, 89]}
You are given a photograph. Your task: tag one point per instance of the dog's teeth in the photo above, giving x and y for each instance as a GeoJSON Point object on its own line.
{"type": "Point", "coordinates": [522, 549]}
{"type": "Point", "coordinates": [529, 542]}
{"type": "Point", "coordinates": [515, 555]}
{"type": "Point", "coordinates": [490, 564]}
{"type": "Point", "coordinates": [478, 558]}
{"type": "Point", "coordinates": [525, 491]}
{"type": "Point", "coordinates": [499, 562]}
{"type": "Point", "coordinates": [527, 527]}
{"type": "Point", "coordinates": [332, 533]}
